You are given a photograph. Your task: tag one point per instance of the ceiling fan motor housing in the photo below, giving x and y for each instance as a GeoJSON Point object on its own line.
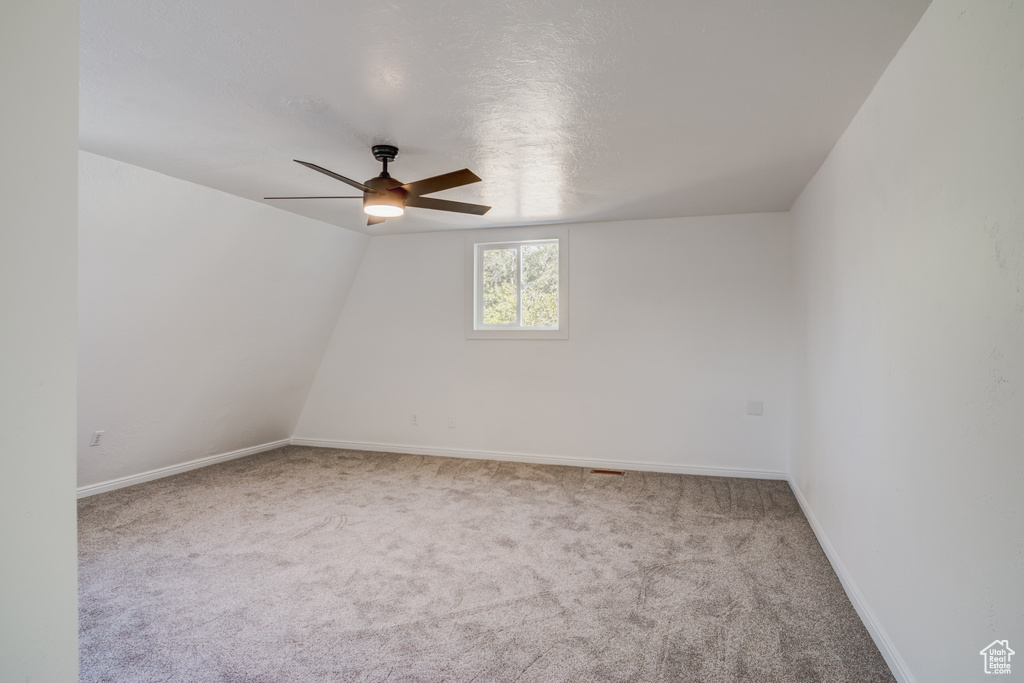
{"type": "Point", "coordinates": [389, 193]}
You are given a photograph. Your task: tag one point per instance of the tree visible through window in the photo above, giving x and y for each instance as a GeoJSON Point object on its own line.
{"type": "Point", "coordinates": [519, 284]}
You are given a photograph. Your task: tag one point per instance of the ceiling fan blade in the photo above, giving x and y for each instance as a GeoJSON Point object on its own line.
{"type": "Point", "coordinates": [446, 205]}
{"type": "Point", "coordinates": [374, 220]}
{"type": "Point", "coordinates": [441, 182]}
{"type": "Point", "coordinates": [349, 181]}
{"type": "Point", "coordinates": [345, 197]}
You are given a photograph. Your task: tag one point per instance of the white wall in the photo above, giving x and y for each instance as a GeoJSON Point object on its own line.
{"type": "Point", "coordinates": [910, 440]}
{"type": "Point", "coordinates": [202, 318]}
{"type": "Point", "coordinates": [675, 324]}
{"type": "Point", "coordinates": [38, 143]}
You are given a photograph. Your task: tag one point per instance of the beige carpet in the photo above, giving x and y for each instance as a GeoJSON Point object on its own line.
{"type": "Point", "coordinates": [308, 565]}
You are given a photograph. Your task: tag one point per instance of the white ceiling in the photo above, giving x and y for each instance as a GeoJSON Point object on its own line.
{"type": "Point", "coordinates": [569, 111]}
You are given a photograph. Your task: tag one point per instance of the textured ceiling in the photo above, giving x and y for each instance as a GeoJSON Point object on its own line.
{"type": "Point", "coordinates": [569, 111]}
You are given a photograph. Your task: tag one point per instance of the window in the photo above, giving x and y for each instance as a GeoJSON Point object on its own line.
{"type": "Point", "coordinates": [518, 287]}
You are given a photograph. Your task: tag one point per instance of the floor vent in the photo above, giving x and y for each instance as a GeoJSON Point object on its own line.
{"type": "Point", "coordinates": [618, 472]}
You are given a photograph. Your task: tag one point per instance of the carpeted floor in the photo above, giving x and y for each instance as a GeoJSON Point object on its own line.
{"type": "Point", "coordinates": [307, 565]}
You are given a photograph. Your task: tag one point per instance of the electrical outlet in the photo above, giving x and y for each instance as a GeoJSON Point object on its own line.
{"type": "Point", "coordinates": [415, 419]}
{"type": "Point", "coordinates": [451, 423]}
{"type": "Point", "coordinates": [97, 437]}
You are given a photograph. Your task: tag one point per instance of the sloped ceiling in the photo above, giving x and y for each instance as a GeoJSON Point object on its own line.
{"type": "Point", "coordinates": [569, 111]}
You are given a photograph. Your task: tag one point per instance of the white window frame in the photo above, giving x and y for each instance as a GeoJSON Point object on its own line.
{"type": "Point", "coordinates": [514, 237]}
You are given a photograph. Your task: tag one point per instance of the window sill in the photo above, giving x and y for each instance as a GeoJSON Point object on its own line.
{"type": "Point", "coordinates": [517, 334]}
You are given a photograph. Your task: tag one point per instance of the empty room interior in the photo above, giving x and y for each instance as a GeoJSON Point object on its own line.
{"type": "Point", "coordinates": [537, 341]}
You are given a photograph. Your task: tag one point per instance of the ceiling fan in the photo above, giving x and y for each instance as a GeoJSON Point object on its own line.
{"type": "Point", "coordinates": [384, 197]}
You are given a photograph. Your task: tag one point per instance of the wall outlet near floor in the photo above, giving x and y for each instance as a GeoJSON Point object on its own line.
{"type": "Point", "coordinates": [97, 438]}
{"type": "Point", "coordinates": [415, 419]}
{"type": "Point", "coordinates": [451, 423]}
{"type": "Point", "coordinates": [755, 407]}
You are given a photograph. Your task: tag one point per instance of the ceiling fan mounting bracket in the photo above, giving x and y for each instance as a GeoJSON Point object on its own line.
{"type": "Point", "coordinates": [385, 153]}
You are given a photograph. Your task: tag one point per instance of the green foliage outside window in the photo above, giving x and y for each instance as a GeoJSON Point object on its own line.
{"type": "Point", "coordinates": [500, 286]}
{"type": "Point", "coordinates": [539, 286]}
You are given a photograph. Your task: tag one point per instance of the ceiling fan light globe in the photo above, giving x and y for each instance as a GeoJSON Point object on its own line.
{"type": "Point", "coordinates": [383, 210]}
{"type": "Point", "coordinates": [383, 201]}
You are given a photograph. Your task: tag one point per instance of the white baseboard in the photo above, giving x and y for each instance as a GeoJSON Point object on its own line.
{"type": "Point", "coordinates": [885, 645]}
{"type": "Point", "coordinates": [104, 486]}
{"type": "Point", "coordinates": [542, 459]}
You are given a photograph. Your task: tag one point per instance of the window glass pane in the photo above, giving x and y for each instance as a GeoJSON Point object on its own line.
{"type": "Point", "coordinates": [540, 285]}
{"type": "Point", "coordinates": [500, 269]}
